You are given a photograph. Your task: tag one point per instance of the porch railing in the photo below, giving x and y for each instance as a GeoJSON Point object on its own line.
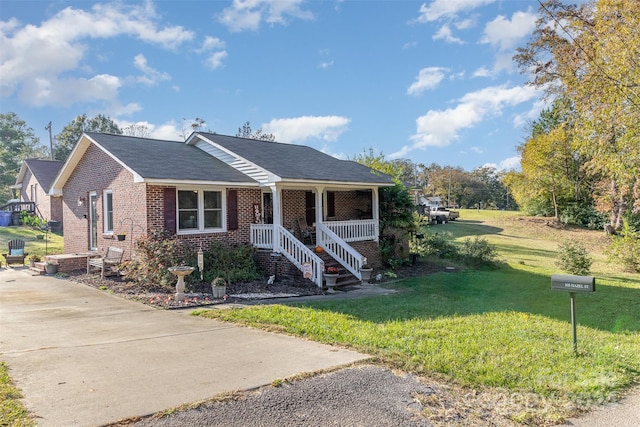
{"type": "Point", "coordinates": [338, 248]}
{"type": "Point", "coordinates": [354, 230]}
{"type": "Point", "coordinates": [289, 246]}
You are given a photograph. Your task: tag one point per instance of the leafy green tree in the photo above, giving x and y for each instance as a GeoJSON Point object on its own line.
{"type": "Point", "coordinates": [589, 55]}
{"type": "Point", "coordinates": [17, 142]}
{"type": "Point", "coordinates": [246, 132]}
{"type": "Point", "coordinates": [67, 138]}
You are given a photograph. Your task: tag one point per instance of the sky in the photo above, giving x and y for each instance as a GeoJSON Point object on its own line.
{"type": "Point", "coordinates": [429, 81]}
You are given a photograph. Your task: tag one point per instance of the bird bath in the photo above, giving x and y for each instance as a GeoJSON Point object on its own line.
{"type": "Point", "coordinates": [180, 272]}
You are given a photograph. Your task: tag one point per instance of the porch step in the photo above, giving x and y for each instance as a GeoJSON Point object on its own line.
{"type": "Point", "coordinates": [38, 268]}
{"type": "Point", "coordinates": [345, 278]}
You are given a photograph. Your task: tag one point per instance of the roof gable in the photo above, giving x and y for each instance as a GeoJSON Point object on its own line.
{"type": "Point", "coordinates": [44, 171]}
{"type": "Point", "coordinates": [154, 160]}
{"type": "Point", "coordinates": [295, 162]}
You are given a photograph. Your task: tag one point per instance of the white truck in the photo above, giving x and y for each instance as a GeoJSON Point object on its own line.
{"type": "Point", "coordinates": [441, 215]}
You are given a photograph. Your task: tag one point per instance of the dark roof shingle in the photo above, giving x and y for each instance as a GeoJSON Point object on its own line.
{"type": "Point", "coordinates": [45, 171]}
{"type": "Point", "coordinates": [291, 161]}
{"type": "Point", "coordinates": [171, 160]}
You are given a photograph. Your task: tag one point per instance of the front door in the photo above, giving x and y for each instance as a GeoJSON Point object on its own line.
{"type": "Point", "coordinates": [93, 221]}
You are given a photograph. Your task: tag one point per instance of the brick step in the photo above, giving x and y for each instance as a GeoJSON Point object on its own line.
{"type": "Point", "coordinates": [38, 268]}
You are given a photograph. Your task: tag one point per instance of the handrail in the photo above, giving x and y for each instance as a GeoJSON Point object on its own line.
{"type": "Point", "coordinates": [13, 205]}
{"type": "Point", "coordinates": [261, 236]}
{"type": "Point", "coordinates": [345, 254]}
{"type": "Point", "coordinates": [355, 230]}
{"type": "Point", "coordinates": [299, 255]}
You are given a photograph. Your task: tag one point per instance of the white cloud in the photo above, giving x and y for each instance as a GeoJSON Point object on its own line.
{"type": "Point", "coordinates": [249, 14]}
{"type": "Point", "coordinates": [300, 129]}
{"type": "Point", "coordinates": [482, 72]}
{"type": "Point", "coordinates": [219, 54]}
{"type": "Point", "coordinates": [215, 60]}
{"type": "Point", "coordinates": [167, 131]}
{"type": "Point", "coordinates": [444, 33]}
{"type": "Point", "coordinates": [505, 34]}
{"type": "Point", "coordinates": [151, 77]}
{"type": "Point", "coordinates": [477, 150]}
{"type": "Point", "coordinates": [511, 163]}
{"type": "Point", "coordinates": [66, 92]}
{"type": "Point", "coordinates": [448, 8]}
{"type": "Point", "coordinates": [439, 128]}
{"type": "Point", "coordinates": [325, 64]}
{"type": "Point", "coordinates": [58, 46]}
{"type": "Point", "coordinates": [428, 78]}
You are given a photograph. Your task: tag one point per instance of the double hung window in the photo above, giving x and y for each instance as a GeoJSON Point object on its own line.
{"type": "Point", "coordinates": [200, 210]}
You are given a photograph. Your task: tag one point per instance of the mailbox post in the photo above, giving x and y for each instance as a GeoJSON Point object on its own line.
{"type": "Point", "coordinates": [573, 284]}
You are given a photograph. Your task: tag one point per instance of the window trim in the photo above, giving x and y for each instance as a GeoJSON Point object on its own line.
{"type": "Point", "coordinates": [105, 212]}
{"type": "Point", "coordinates": [201, 229]}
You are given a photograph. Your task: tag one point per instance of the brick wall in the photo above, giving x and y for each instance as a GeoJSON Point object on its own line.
{"type": "Point", "coordinates": [353, 205]}
{"type": "Point", "coordinates": [96, 171]}
{"type": "Point", "coordinates": [247, 197]}
{"type": "Point", "coordinates": [49, 208]}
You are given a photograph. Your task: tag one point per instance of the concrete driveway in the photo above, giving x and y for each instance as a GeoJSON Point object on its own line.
{"type": "Point", "coordinates": [83, 357]}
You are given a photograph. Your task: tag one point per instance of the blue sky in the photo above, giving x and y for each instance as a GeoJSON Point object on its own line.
{"type": "Point", "coordinates": [430, 81]}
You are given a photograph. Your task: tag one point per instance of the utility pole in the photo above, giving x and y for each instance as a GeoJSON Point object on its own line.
{"type": "Point", "coordinates": [48, 127]}
{"type": "Point", "coordinates": [449, 195]}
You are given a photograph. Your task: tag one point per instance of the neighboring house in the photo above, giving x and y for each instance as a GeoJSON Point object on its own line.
{"type": "Point", "coordinates": [426, 203]}
{"type": "Point", "coordinates": [220, 188]}
{"type": "Point", "coordinates": [34, 181]}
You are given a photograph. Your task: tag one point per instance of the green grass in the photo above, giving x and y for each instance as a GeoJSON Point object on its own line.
{"type": "Point", "coordinates": [53, 245]}
{"type": "Point", "coordinates": [499, 327]}
{"type": "Point", "coordinates": [12, 412]}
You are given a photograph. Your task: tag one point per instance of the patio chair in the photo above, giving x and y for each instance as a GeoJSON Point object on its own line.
{"type": "Point", "coordinates": [16, 252]}
{"type": "Point", "coordinates": [307, 233]}
{"type": "Point", "coordinates": [106, 263]}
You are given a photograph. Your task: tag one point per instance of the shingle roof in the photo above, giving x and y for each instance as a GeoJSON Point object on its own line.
{"type": "Point", "coordinates": [290, 161]}
{"type": "Point", "coordinates": [170, 160]}
{"type": "Point", "coordinates": [44, 171]}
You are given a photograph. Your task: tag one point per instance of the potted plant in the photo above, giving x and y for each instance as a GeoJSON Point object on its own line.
{"type": "Point", "coordinates": [365, 272]}
{"type": "Point", "coordinates": [51, 267]}
{"type": "Point", "coordinates": [331, 275]}
{"type": "Point", "coordinates": [218, 287]}
{"type": "Point", "coordinates": [121, 236]}
{"type": "Point", "coordinates": [33, 258]}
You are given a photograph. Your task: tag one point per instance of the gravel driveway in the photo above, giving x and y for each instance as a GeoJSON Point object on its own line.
{"type": "Point", "coordinates": [364, 396]}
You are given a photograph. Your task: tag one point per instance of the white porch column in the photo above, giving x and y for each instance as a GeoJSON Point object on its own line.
{"type": "Point", "coordinates": [277, 216]}
{"type": "Point", "coordinates": [320, 214]}
{"type": "Point", "coordinates": [375, 210]}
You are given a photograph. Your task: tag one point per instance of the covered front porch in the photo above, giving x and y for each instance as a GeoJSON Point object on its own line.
{"type": "Point", "coordinates": [293, 221]}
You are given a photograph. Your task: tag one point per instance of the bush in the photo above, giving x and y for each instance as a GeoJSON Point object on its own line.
{"type": "Point", "coordinates": [234, 263]}
{"type": "Point", "coordinates": [625, 248]}
{"type": "Point", "coordinates": [435, 244]}
{"type": "Point", "coordinates": [574, 259]}
{"type": "Point", "coordinates": [477, 252]}
{"type": "Point", "coordinates": [585, 216]}
{"type": "Point", "coordinates": [156, 252]}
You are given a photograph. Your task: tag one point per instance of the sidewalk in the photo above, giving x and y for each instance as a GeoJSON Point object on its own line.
{"type": "Point", "coordinates": [83, 357]}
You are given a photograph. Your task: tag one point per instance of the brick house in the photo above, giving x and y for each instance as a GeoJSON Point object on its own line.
{"type": "Point", "coordinates": [34, 181]}
{"type": "Point", "coordinates": [220, 188]}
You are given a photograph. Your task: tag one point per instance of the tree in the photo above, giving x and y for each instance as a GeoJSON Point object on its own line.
{"type": "Point", "coordinates": [589, 55]}
{"type": "Point", "coordinates": [67, 138]}
{"type": "Point", "coordinates": [136, 129]}
{"type": "Point", "coordinates": [246, 132]}
{"type": "Point", "coordinates": [17, 142]}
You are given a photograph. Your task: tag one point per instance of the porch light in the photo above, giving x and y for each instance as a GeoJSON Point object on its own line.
{"type": "Point", "coordinates": [81, 200]}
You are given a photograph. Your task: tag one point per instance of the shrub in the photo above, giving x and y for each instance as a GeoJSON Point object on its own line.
{"type": "Point", "coordinates": [585, 216]}
{"type": "Point", "coordinates": [625, 248]}
{"type": "Point", "coordinates": [156, 252]}
{"type": "Point", "coordinates": [436, 244]}
{"type": "Point", "coordinates": [477, 252]}
{"type": "Point", "coordinates": [234, 263]}
{"type": "Point", "coordinates": [574, 259]}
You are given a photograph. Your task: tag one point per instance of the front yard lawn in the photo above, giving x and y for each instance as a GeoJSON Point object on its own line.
{"type": "Point", "coordinates": [500, 328]}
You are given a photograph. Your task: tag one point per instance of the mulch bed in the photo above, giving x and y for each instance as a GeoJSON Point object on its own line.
{"type": "Point", "coordinates": [199, 294]}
